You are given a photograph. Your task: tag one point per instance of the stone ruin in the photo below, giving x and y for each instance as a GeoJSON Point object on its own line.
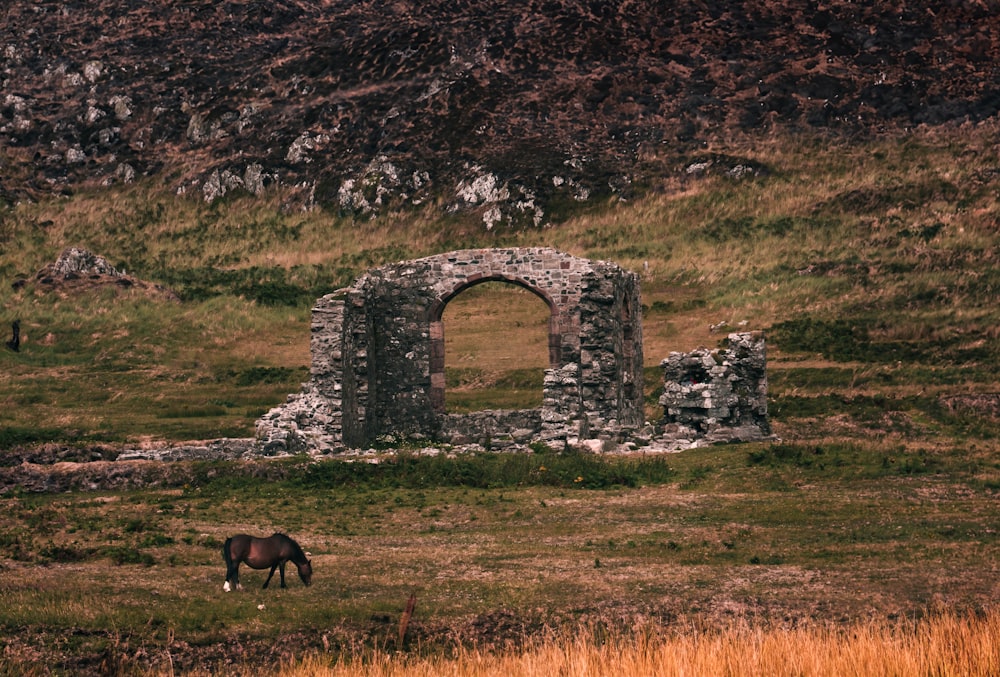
{"type": "Point", "coordinates": [377, 376]}
{"type": "Point", "coordinates": [717, 395]}
{"type": "Point", "coordinates": [378, 353]}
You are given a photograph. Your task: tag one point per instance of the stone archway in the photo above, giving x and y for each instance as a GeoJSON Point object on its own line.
{"type": "Point", "coordinates": [438, 331]}
{"type": "Point", "coordinates": [437, 326]}
{"type": "Point", "coordinates": [378, 351]}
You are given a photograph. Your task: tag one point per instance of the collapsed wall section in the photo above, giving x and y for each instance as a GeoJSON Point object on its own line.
{"type": "Point", "coordinates": [717, 395]}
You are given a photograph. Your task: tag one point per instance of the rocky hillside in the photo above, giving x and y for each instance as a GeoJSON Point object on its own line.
{"type": "Point", "coordinates": [508, 108]}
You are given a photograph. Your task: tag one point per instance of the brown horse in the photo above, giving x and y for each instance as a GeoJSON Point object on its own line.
{"type": "Point", "coordinates": [261, 553]}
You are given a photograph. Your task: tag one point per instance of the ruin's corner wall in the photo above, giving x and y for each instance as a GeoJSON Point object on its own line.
{"type": "Point", "coordinates": [717, 395]}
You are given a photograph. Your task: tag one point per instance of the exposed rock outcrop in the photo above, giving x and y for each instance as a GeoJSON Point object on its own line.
{"type": "Point", "coordinates": [501, 108]}
{"type": "Point", "coordinates": [74, 262]}
{"type": "Point", "coordinates": [77, 269]}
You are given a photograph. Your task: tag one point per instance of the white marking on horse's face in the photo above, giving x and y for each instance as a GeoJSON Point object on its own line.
{"type": "Point", "coordinates": [225, 586]}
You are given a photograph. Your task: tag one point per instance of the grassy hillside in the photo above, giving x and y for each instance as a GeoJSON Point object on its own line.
{"type": "Point", "coordinates": [872, 266]}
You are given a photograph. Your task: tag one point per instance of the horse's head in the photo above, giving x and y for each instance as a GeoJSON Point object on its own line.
{"type": "Point", "coordinates": [306, 572]}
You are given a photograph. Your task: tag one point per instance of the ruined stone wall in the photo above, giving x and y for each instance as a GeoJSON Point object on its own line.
{"type": "Point", "coordinates": [717, 395]}
{"type": "Point", "coordinates": [378, 348]}
{"type": "Point", "coordinates": [611, 351]}
{"type": "Point", "coordinates": [396, 356]}
{"type": "Point", "coordinates": [493, 429]}
{"type": "Point", "coordinates": [562, 405]}
{"type": "Point", "coordinates": [378, 360]}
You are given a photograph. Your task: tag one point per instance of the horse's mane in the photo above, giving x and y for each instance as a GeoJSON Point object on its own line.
{"type": "Point", "coordinates": [299, 555]}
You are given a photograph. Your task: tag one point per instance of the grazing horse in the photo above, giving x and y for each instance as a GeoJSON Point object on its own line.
{"type": "Point", "coordinates": [261, 553]}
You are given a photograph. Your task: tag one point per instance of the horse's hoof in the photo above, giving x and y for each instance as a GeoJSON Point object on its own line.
{"type": "Point", "coordinates": [225, 586]}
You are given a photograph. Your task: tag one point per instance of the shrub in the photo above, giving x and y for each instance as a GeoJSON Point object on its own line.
{"type": "Point", "coordinates": [565, 469]}
{"type": "Point", "coordinates": [120, 554]}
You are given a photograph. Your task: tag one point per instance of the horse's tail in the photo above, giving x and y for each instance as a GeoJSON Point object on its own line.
{"type": "Point", "coordinates": [226, 554]}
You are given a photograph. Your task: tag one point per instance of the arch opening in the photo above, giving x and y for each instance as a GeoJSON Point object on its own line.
{"type": "Point", "coordinates": [495, 339]}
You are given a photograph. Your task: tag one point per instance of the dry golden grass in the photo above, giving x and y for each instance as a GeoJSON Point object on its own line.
{"type": "Point", "coordinates": [944, 645]}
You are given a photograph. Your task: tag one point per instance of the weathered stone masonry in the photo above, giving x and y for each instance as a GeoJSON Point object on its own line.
{"type": "Point", "coordinates": [717, 395]}
{"type": "Point", "coordinates": [378, 352]}
{"type": "Point", "coordinates": [378, 362]}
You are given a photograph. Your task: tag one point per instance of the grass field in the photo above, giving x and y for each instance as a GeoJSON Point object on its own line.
{"type": "Point", "coordinates": [500, 551]}
{"type": "Point", "coordinates": [940, 645]}
{"type": "Point", "coordinates": [871, 266]}
{"type": "Point", "coordinates": [875, 257]}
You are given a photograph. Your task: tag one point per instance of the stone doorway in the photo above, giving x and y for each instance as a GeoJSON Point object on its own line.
{"type": "Point", "coordinates": [497, 339]}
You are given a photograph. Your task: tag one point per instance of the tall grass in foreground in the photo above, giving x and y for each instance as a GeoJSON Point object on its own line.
{"type": "Point", "coordinates": [941, 646]}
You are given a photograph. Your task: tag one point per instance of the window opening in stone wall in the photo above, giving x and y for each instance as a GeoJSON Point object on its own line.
{"type": "Point", "coordinates": [496, 337]}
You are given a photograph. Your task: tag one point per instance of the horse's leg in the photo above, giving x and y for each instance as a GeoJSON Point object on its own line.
{"type": "Point", "coordinates": [232, 576]}
{"type": "Point", "coordinates": [232, 563]}
{"type": "Point", "coordinates": [281, 566]}
{"type": "Point", "coordinates": [227, 557]}
{"type": "Point", "coordinates": [273, 567]}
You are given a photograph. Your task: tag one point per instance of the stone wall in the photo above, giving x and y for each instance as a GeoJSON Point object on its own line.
{"type": "Point", "coordinates": [493, 429]}
{"type": "Point", "coordinates": [717, 395]}
{"type": "Point", "coordinates": [378, 353]}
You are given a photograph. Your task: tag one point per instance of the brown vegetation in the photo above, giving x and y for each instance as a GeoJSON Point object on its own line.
{"type": "Point", "coordinates": [406, 99]}
{"type": "Point", "coordinates": [942, 645]}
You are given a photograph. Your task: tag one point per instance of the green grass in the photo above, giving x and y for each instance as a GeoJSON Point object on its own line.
{"type": "Point", "coordinates": [875, 253]}
{"type": "Point", "coordinates": [475, 389]}
{"type": "Point", "coordinates": [793, 532]}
